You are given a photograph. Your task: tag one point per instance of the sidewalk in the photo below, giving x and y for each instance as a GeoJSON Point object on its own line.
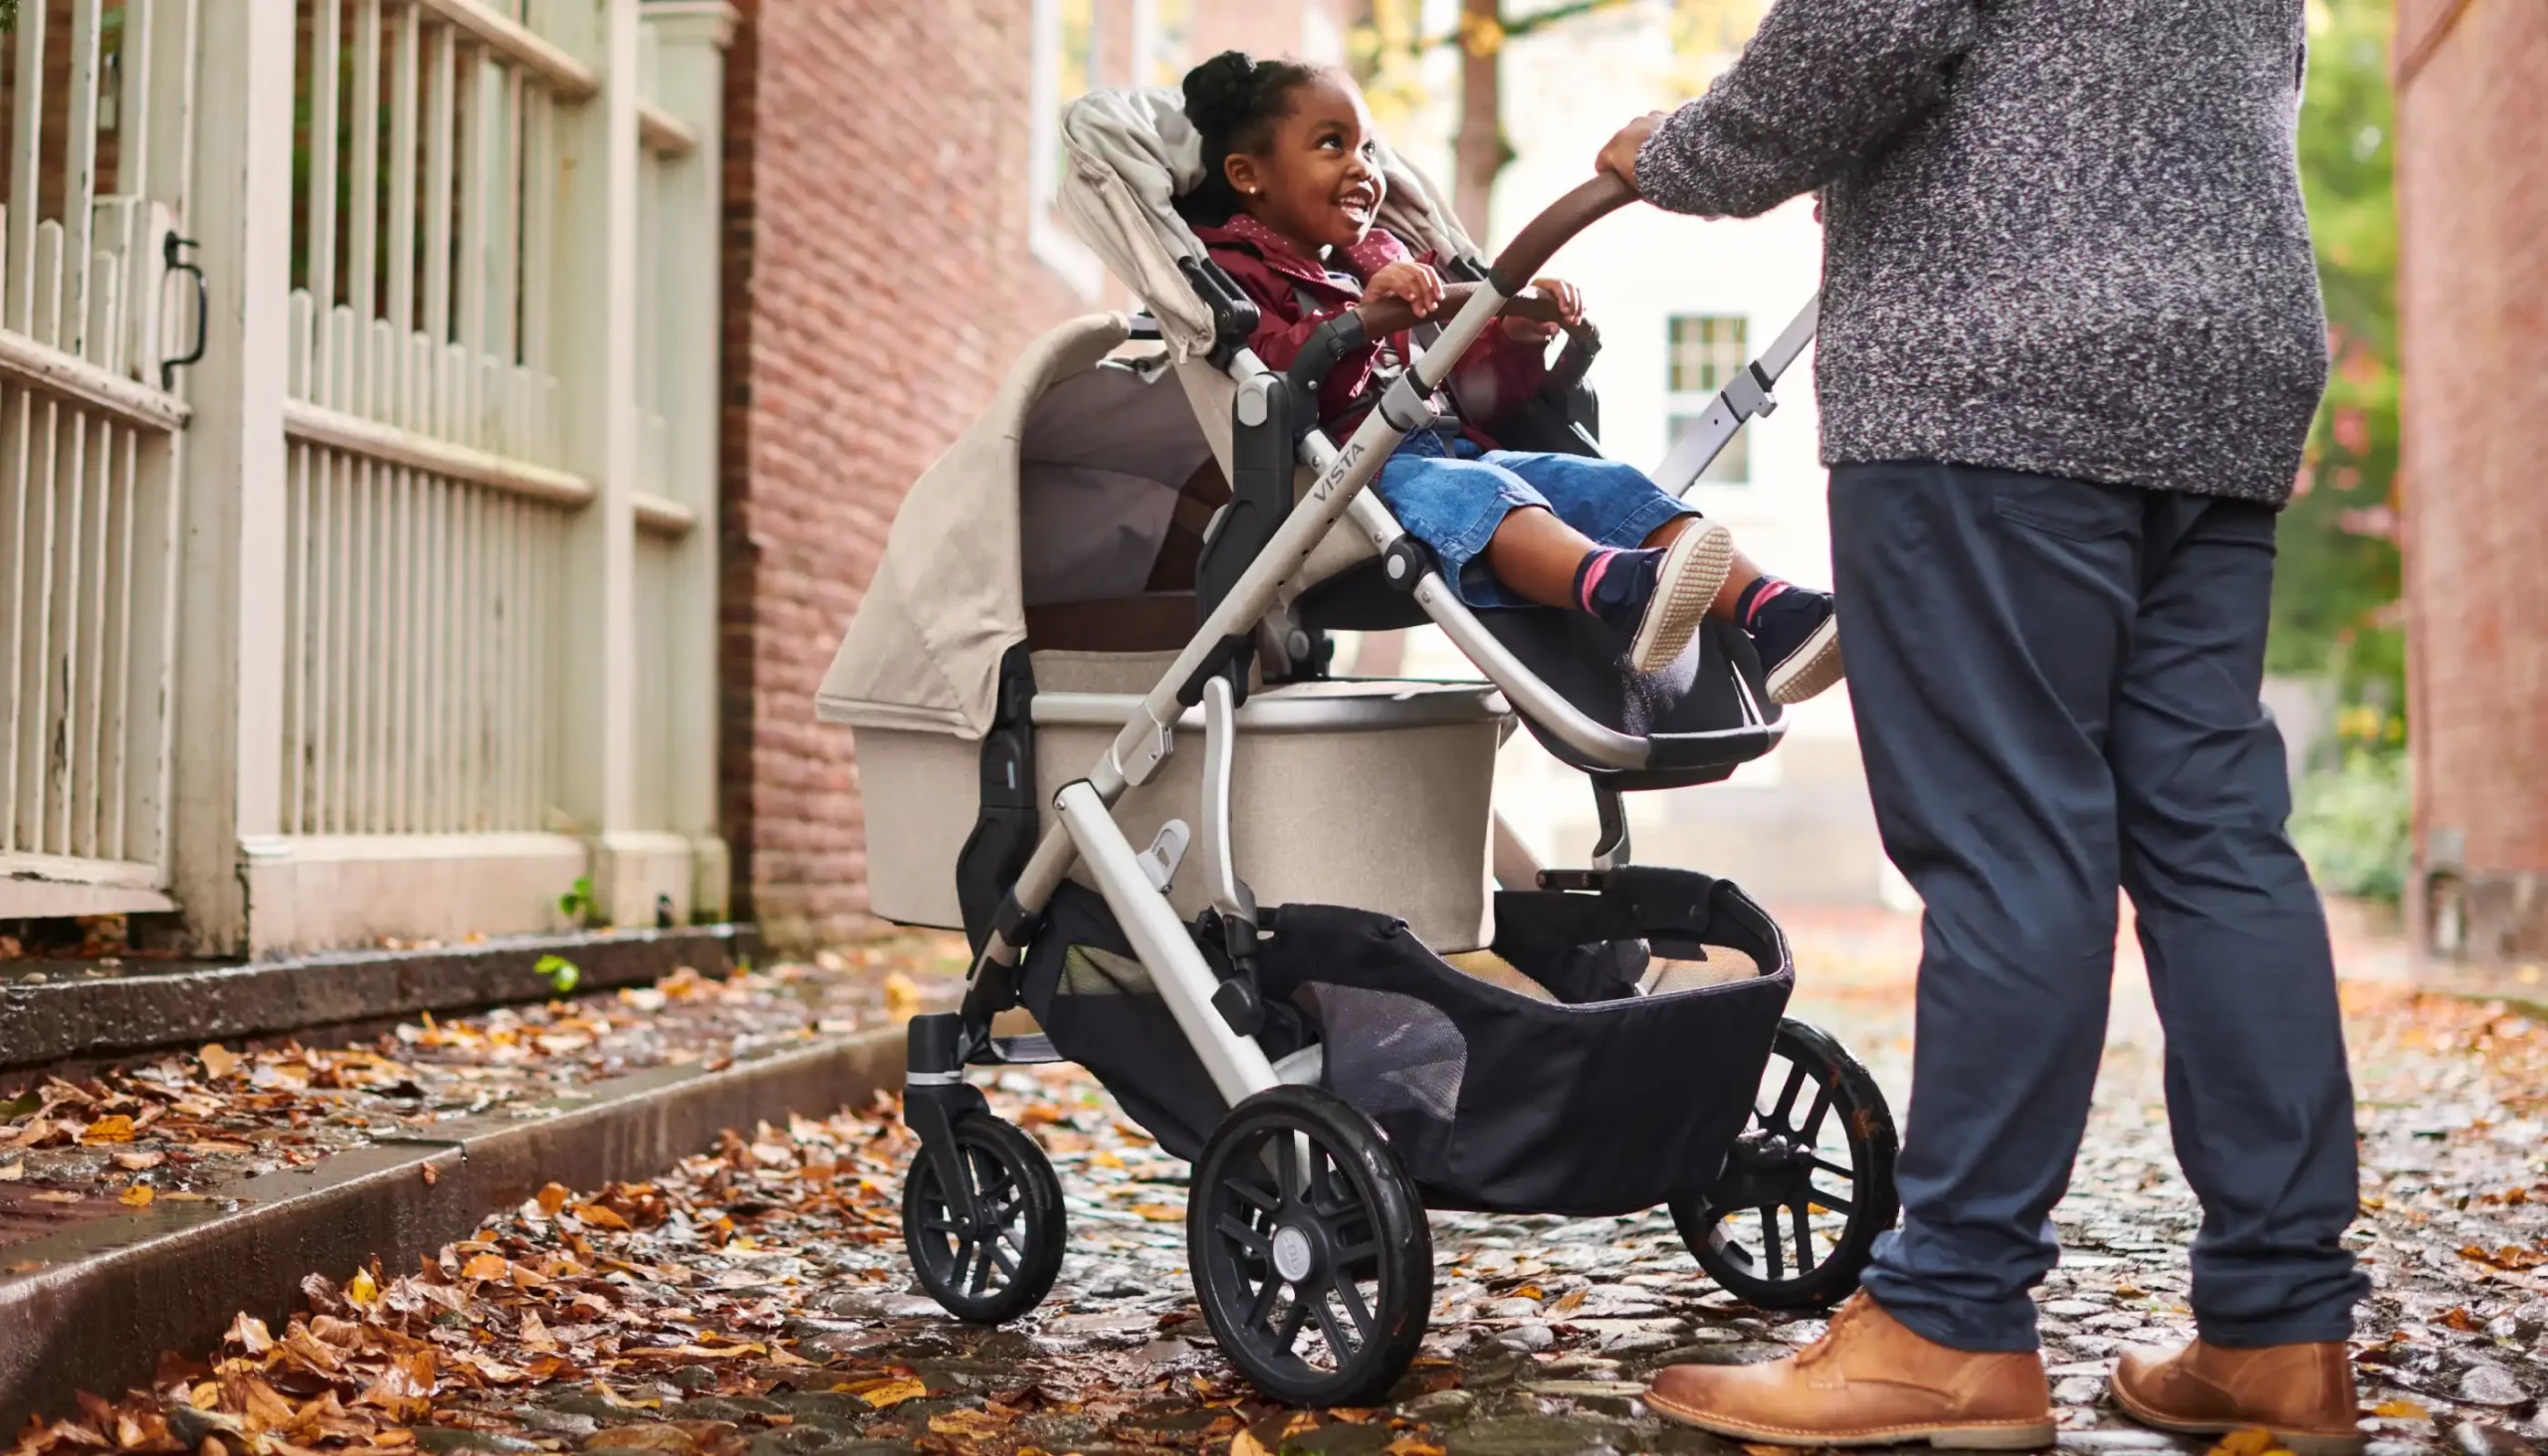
{"type": "Point", "coordinates": [143, 1208]}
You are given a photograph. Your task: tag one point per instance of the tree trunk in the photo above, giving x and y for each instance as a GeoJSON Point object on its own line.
{"type": "Point", "coordinates": [1478, 152]}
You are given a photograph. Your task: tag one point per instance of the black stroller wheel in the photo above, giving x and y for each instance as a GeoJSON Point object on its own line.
{"type": "Point", "coordinates": [1310, 1250]}
{"type": "Point", "coordinates": [1794, 1219]}
{"type": "Point", "coordinates": [999, 1261]}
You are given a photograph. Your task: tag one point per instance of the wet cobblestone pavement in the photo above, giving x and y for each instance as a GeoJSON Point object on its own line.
{"type": "Point", "coordinates": [755, 1300]}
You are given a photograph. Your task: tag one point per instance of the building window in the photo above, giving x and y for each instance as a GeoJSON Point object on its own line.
{"type": "Point", "coordinates": [1081, 46]}
{"type": "Point", "coordinates": [1070, 41]}
{"type": "Point", "coordinates": [1704, 351]}
{"type": "Point", "coordinates": [1160, 29]}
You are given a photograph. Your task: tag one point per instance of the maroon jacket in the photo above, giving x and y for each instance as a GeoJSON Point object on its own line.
{"type": "Point", "coordinates": [1497, 372]}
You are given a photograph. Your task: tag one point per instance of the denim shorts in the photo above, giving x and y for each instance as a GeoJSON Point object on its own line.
{"type": "Point", "coordinates": [1453, 496]}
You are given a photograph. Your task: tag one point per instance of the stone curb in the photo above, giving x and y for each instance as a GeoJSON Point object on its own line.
{"type": "Point", "coordinates": [90, 1017]}
{"type": "Point", "coordinates": [108, 1296]}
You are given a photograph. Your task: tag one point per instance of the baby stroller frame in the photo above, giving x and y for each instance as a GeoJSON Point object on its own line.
{"type": "Point", "coordinates": [1309, 1245]}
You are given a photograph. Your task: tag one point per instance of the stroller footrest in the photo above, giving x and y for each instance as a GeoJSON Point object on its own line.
{"type": "Point", "coordinates": [1016, 1051]}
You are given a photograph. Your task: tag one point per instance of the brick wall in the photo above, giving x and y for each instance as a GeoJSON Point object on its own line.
{"type": "Point", "coordinates": [2472, 193]}
{"type": "Point", "coordinates": [878, 281]}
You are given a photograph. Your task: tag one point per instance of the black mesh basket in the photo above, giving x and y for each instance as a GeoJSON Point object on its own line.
{"type": "Point", "coordinates": [1618, 1086]}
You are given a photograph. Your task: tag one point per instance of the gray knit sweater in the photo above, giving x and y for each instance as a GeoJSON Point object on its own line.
{"type": "Point", "coordinates": [2060, 235]}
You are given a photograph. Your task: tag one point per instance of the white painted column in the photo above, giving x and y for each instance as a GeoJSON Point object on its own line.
{"type": "Point", "coordinates": [596, 268]}
{"type": "Point", "coordinates": [230, 664]}
{"type": "Point", "coordinates": [690, 84]}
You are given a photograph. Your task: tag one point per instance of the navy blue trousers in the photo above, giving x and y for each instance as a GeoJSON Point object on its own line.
{"type": "Point", "coordinates": [2056, 692]}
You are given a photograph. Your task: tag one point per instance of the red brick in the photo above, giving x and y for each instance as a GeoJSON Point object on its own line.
{"type": "Point", "coordinates": [2473, 202]}
{"type": "Point", "coordinates": [877, 282]}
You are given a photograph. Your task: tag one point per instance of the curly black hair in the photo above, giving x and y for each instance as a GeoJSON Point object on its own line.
{"type": "Point", "coordinates": [1234, 100]}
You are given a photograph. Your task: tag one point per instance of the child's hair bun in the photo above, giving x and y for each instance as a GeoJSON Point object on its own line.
{"type": "Point", "coordinates": [1220, 94]}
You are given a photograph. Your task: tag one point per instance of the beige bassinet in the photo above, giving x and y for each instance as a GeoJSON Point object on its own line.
{"type": "Point", "coordinates": [1040, 526]}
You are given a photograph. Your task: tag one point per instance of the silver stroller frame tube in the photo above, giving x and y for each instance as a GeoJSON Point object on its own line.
{"type": "Point", "coordinates": [1086, 831]}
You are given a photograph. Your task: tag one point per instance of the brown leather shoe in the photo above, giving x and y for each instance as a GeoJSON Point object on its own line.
{"type": "Point", "coordinates": [1868, 1381]}
{"type": "Point", "coordinates": [2304, 1394]}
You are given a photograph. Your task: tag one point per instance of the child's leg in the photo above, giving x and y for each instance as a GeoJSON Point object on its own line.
{"type": "Point", "coordinates": [1614, 505]}
{"type": "Point", "coordinates": [1458, 508]}
{"type": "Point", "coordinates": [1536, 553]}
{"type": "Point", "coordinates": [1738, 576]}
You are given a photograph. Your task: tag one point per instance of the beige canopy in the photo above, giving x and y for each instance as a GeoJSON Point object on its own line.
{"type": "Point", "coordinates": [1128, 154]}
{"type": "Point", "coordinates": [1061, 492]}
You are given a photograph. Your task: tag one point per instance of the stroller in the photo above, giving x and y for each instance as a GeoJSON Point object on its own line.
{"type": "Point", "coordinates": [1145, 539]}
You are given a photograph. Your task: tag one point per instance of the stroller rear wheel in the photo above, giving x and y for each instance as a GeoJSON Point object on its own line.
{"type": "Point", "coordinates": [989, 1252]}
{"type": "Point", "coordinates": [1793, 1220]}
{"type": "Point", "coordinates": [1310, 1250]}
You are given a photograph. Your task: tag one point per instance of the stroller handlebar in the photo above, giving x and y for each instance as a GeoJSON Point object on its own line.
{"type": "Point", "coordinates": [1520, 261]}
{"type": "Point", "coordinates": [1382, 317]}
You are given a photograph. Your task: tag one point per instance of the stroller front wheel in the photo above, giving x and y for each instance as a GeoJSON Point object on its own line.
{"type": "Point", "coordinates": [1311, 1254]}
{"type": "Point", "coordinates": [1792, 1221]}
{"type": "Point", "coordinates": [988, 1252]}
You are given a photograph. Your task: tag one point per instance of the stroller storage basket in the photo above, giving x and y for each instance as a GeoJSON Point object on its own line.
{"type": "Point", "coordinates": [1604, 1100]}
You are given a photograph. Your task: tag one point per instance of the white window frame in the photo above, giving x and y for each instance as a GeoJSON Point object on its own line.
{"type": "Point", "coordinates": [1051, 243]}
{"type": "Point", "coordinates": [1687, 405]}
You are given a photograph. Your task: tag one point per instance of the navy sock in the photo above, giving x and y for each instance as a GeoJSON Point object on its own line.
{"type": "Point", "coordinates": [1761, 591]}
{"type": "Point", "coordinates": [1615, 586]}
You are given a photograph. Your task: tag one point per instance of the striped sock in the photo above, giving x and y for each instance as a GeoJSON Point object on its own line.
{"type": "Point", "coordinates": [1759, 594]}
{"type": "Point", "coordinates": [1587, 576]}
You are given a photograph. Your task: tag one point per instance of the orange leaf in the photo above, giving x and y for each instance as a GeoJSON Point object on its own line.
{"type": "Point", "coordinates": [485, 1266]}
{"type": "Point", "coordinates": [888, 1391]}
{"type": "Point", "coordinates": [1160, 1213]}
{"type": "Point", "coordinates": [553, 1197]}
{"type": "Point", "coordinates": [2396, 1409]}
{"type": "Point", "coordinates": [902, 995]}
{"type": "Point", "coordinates": [428, 1174]}
{"type": "Point", "coordinates": [250, 1334]}
{"type": "Point", "coordinates": [137, 1196]}
{"type": "Point", "coordinates": [116, 1129]}
{"type": "Point", "coordinates": [219, 1061]}
{"type": "Point", "coordinates": [2252, 1442]}
{"type": "Point", "coordinates": [972, 1424]}
{"type": "Point", "coordinates": [600, 1217]}
{"type": "Point", "coordinates": [1246, 1444]}
{"type": "Point", "coordinates": [1412, 1444]}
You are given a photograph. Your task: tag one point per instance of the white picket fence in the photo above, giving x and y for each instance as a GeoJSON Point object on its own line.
{"type": "Point", "coordinates": [95, 116]}
{"type": "Point", "coordinates": [443, 638]}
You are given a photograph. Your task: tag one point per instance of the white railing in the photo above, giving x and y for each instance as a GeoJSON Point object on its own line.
{"type": "Point", "coordinates": [93, 102]}
{"type": "Point", "coordinates": [428, 497]}
{"type": "Point", "coordinates": [499, 595]}
{"type": "Point", "coordinates": [399, 617]}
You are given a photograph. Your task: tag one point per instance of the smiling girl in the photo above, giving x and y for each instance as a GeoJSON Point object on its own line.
{"type": "Point", "coordinates": [1291, 190]}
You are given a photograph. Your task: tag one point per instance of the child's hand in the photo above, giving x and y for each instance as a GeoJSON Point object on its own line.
{"type": "Point", "coordinates": [1418, 286]}
{"type": "Point", "coordinates": [1570, 306]}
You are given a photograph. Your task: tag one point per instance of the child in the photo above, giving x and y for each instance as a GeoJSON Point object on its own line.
{"type": "Point", "coordinates": [1291, 188]}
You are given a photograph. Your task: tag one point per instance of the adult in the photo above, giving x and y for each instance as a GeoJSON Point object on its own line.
{"type": "Point", "coordinates": [2071, 345]}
